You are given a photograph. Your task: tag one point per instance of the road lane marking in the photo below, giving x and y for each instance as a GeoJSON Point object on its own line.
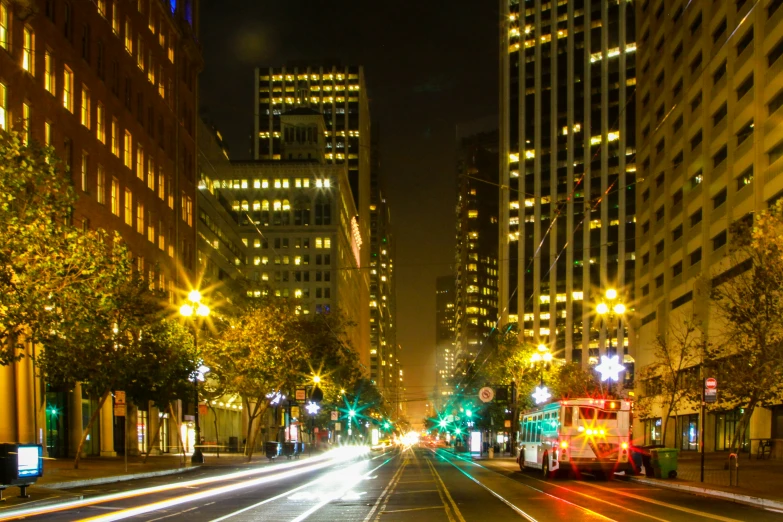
{"type": "Point", "coordinates": [416, 491]}
{"type": "Point", "coordinates": [345, 490]}
{"type": "Point", "coordinates": [446, 491]}
{"type": "Point", "coordinates": [414, 509]}
{"type": "Point", "coordinates": [665, 504]}
{"type": "Point", "coordinates": [417, 481]}
{"type": "Point", "coordinates": [174, 514]}
{"type": "Point", "coordinates": [392, 484]}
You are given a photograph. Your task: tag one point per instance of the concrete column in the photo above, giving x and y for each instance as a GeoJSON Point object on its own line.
{"type": "Point", "coordinates": [153, 428]}
{"type": "Point", "coordinates": [131, 420]}
{"type": "Point", "coordinates": [8, 432]}
{"type": "Point", "coordinates": [106, 427]}
{"type": "Point", "coordinates": [74, 419]}
{"type": "Point", "coordinates": [25, 405]}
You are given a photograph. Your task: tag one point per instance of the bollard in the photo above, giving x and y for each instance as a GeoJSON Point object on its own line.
{"type": "Point", "coordinates": [734, 468]}
{"type": "Point", "coordinates": [491, 453]}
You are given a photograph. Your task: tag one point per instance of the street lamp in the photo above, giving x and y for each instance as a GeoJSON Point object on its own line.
{"type": "Point", "coordinates": [610, 363]}
{"type": "Point", "coordinates": [544, 356]}
{"type": "Point", "coordinates": [192, 307]}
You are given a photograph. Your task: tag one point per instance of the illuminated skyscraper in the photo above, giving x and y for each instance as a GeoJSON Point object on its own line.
{"type": "Point", "coordinates": [567, 164]}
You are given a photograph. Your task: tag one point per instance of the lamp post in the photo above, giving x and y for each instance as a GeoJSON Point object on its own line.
{"type": "Point", "coordinates": [192, 307]}
{"type": "Point", "coordinates": [541, 358]}
{"type": "Point", "coordinates": [608, 310]}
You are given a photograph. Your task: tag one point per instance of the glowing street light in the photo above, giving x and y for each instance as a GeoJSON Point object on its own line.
{"type": "Point", "coordinates": [443, 423]}
{"type": "Point", "coordinates": [610, 368]}
{"type": "Point", "coordinates": [187, 310]}
{"type": "Point", "coordinates": [541, 394]}
{"type": "Point", "coordinates": [351, 413]}
{"type": "Point", "coordinates": [316, 379]}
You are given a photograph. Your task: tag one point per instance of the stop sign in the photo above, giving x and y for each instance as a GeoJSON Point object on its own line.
{"type": "Point", "coordinates": [710, 383]}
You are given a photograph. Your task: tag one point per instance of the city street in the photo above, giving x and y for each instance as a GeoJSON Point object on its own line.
{"type": "Point", "coordinates": [411, 484]}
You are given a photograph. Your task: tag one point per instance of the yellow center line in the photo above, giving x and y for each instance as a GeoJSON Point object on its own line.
{"type": "Point", "coordinates": [664, 504]}
{"type": "Point", "coordinates": [446, 491]}
{"type": "Point", "coordinates": [390, 489]}
{"type": "Point", "coordinates": [414, 509]}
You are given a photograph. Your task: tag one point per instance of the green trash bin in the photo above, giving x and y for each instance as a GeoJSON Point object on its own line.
{"type": "Point", "coordinates": [664, 462]}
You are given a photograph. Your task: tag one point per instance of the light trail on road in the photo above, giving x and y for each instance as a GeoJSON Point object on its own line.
{"type": "Point", "coordinates": [277, 472]}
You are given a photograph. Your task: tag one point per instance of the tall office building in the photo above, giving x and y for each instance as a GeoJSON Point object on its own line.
{"type": "Point", "coordinates": [383, 343]}
{"type": "Point", "coordinates": [338, 93]}
{"type": "Point", "coordinates": [710, 149]}
{"type": "Point", "coordinates": [567, 168]}
{"type": "Point", "coordinates": [112, 88]}
{"type": "Point", "coordinates": [476, 292]}
{"type": "Point", "coordinates": [445, 337]}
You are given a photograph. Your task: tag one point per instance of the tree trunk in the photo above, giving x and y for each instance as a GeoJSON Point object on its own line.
{"type": "Point", "coordinates": [743, 424]}
{"type": "Point", "coordinates": [250, 418]}
{"type": "Point", "coordinates": [179, 431]}
{"type": "Point", "coordinates": [86, 430]}
{"type": "Point", "coordinates": [155, 439]}
{"type": "Point", "coordinates": [256, 432]}
{"type": "Point", "coordinates": [217, 435]}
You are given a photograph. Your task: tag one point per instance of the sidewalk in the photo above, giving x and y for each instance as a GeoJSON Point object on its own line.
{"type": "Point", "coordinates": [759, 480]}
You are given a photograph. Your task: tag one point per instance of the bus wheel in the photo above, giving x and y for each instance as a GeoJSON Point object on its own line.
{"type": "Point", "coordinates": [545, 467]}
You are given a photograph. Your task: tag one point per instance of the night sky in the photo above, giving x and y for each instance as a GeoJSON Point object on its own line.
{"type": "Point", "coordinates": [431, 68]}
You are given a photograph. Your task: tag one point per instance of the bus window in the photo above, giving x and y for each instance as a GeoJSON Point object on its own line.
{"type": "Point", "coordinates": [568, 418]}
{"type": "Point", "coordinates": [539, 426]}
{"type": "Point", "coordinates": [607, 415]}
{"type": "Point", "coordinates": [586, 413]}
{"type": "Point", "coordinates": [525, 427]}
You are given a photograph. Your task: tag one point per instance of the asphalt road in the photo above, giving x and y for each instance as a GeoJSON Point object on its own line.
{"type": "Point", "coordinates": [414, 485]}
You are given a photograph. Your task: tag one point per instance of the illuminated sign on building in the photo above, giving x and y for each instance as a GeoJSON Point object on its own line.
{"type": "Point", "coordinates": [356, 237]}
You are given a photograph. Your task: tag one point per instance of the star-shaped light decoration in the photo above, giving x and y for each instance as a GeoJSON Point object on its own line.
{"type": "Point", "coordinates": [541, 394]}
{"type": "Point", "coordinates": [312, 408]}
{"type": "Point", "coordinates": [610, 368]}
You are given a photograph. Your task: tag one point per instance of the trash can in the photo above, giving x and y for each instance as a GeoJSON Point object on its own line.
{"type": "Point", "coordinates": [272, 449]}
{"type": "Point", "coordinates": [664, 462]}
{"type": "Point", "coordinates": [289, 449]}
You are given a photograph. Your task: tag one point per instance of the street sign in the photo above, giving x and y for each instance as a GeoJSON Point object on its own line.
{"type": "Point", "coordinates": [301, 394]}
{"type": "Point", "coordinates": [316, 430]}
{"type": "Point", "coordinates": [119, 410]}
{"type": "Point", "coordinates": [202, 409]}
{"type": "Point", "coordinates": [119, 397]}
{"type": "Point", "coordinates": [294, 412]}
{"type": "Point", "coordinates": [507, 423]}
{"type": "Point", "coordinates": [337, 426]}
{"type": "Point", "coordinates": [335, 415]}
{"type": "Point", "coordinates": [710, 390]}
{"type": "Point", "coordinates": [486, 394]}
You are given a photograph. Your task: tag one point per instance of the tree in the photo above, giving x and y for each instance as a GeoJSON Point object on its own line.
{"type": "Point", "coordinates": [747, 353]}
{"type": "Point", "coordinates": [677, 355]}
{"type": "Point", "coordinates": [43, 258]}
{"type": "Point", "coordinates": [255, 355]}
{"type": "Point", "coordinates": [163, 365]}
{"type": "Point", "coordinates": [571, 380]}
{"type": "Point", "coordinates": [106, 340]}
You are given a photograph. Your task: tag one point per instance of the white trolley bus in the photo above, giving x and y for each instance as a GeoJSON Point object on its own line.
{"type": "Point", "coordinates": [576, 435]}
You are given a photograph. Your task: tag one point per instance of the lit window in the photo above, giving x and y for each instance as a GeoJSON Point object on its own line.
{"type": "Point", "coordinates": [128, 37]}
{"type": "Point", "coordinates": [28, 51]}
{"type": "Point", "coordinates": [285, 183]}
{"type": "Point", "coordinates": [100, 128]}
{"type": "Point", "coordinates": [140, 162]}
{"type": "Point", "coordinates": [115, 18]}
{"type": "Point", "coordinates": [115, 196]}
{"type": "Point", "coordinates": [265, 184]}
{"type": "Point", "coordinates": [128, 152]}
{"type": "Point", "coordinates": [102, 8]}
{"type": "Point", "coordinates": [277, 183]}
{"type": "Point", "coordinates": [48, 72]}
{"type": "Point", "coordinates": [100, 195]}
{"type": "Point", "coordinates": [3, 26]}
{"type": "Point", "coordinates": [85, 112]}
{"type": "Point", "coordinates": [318, 242]}
{"type": "Point", "coordinates": [327, 242]}
{"type": "Point", "coordinates": [140, 217]}
{"type": "Point", "coordinates": [472, 214]}
{"type": "Point", "coordinates": [115, 138]}
{"type": "Point", "coordinates": [25, 123]}
{"type": "Point", "coordinates": [151, 173]}
{"type": "Point", "coordinates": [128, 207]}
{"type": "Point", "coordinates": [68, 89]}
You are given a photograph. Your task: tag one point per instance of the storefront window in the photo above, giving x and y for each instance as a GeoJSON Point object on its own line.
{"type": "Point", "coordinates": [726, 424]}
{"type": "Point", "coordinates": [688, 432]}
{"type": "Point", "coordinates": [652, 431]}
{"type": "Point", "coordinates": [141, 430]}
{"type": "Point", "coordinates": [164, 433]}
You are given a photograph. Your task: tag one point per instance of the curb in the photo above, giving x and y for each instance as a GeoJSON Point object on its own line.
{"type": "Point", "coordinates": [763, 503]}
{"type": "Point", "coordinates": [7, 511]}
{"type": "Point", "coordinates": [115, 478]}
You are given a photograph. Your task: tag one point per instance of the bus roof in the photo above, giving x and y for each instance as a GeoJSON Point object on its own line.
{"type": "Point", "coordinates": [612, 404]}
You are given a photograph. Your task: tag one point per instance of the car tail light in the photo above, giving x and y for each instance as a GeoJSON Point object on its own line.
{"type": "Point", "coordinates": [624, 445]}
